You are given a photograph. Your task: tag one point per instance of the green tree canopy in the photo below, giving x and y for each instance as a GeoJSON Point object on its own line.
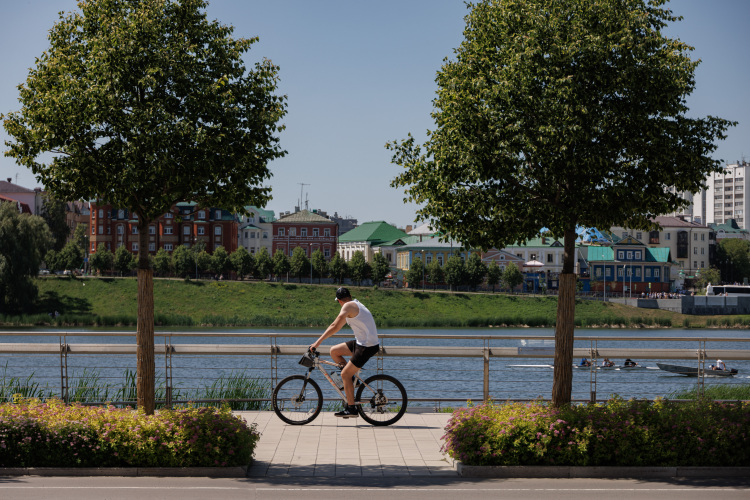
{"type": "Point", "coordinates": [733, 258]}
{"type": "Point", "coordinates": [318, 262]}
{"type": "Point", "coordinates": [243, 262]}
{"type": "Point", "coordinates": [124, 261]}
{"type": "Point", "coordinates": [379, 268]}
{"type": "Point", "coordinates": [24, 240]}
{"type": "Point", "coordinates": [494, 274]}
{"type": "Point", "coordinates": [103, 260]}
{"type": "Point", "coordinates": [70, 257]}
{"type": "Point", "coordinates": [476, 270]}
{"type": "Point", "coordinates": [220, 261]}
{"type": "Point", "coordinates": [548, 113]}
{"type": "Point", "coordinates": [512, 276]}
{"type": "Point", "coordinates": [142, 104]}
{"type": "Point", "coordinates": [415, 275]}
{"type": "Point", "coordinates": [204, 261]}
{"type": "Point", "coordinates": [435, 272]}
{"type": "Point", "coordinates": [53, 213]}
{"type": "Point", "coordinates": [338, 268]}
{"type": "Point", "coordinates": [162, 262]}
{"type": "Point", "coordinates": [280, 265]}
{"type": "Point", "coordinates": [183, 260]}
{"type": "Point", "coordinates": [263, 264]}
{"type": "Point", "coordinates": [299, 265]}
{"type": "Point", "coordinates": [455, 271]}
{"type": "Point", "coordinates": [359, 269]}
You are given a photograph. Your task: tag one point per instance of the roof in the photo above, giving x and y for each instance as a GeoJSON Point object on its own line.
{"type": "Point", "coordinates": [433, 244]}
{"type": "Point", "coordinates": [22, 207]}
{"type": "Point", "coordinates": [303, 216]}
{"type": "Point", "coordinates": [424, 229]}
{"type": "Point", "coordinates": [266, 215]}
{"type": "Point", "coordinates": [659, 254]}
{"type": "Point", "coordinates": [373, 232]}
{"type": "Point", "coordinates": [9, 187]}
{"type": "Point", "coordinates": [665, 221]}
{"type": "Point", "coordinates": [730, 226]}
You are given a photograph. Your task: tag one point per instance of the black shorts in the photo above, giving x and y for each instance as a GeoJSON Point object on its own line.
{"type": "Point", "coordinates": [360, 353]}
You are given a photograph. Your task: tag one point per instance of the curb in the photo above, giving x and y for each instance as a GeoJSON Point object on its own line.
{"type": "Point", "coordinates": [551, 471]}
{"type": "Point", "coordinates": [218, 472]}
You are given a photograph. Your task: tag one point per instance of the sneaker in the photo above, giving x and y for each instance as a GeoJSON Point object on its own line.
{"type": "Point", "coordinates": [347, 412]}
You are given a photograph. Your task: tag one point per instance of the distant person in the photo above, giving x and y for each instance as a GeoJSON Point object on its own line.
{"type": "Point", "coordinates": [630, 362]}
{"type": "Point", "coordinates": [585, 362]}
{"type": "Point", "coordinates": [719, 365]}
{"type": "Point", "coordinates": [607, 363]}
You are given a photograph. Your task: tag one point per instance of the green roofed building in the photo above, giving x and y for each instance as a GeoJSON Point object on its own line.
{"type": "Point", "coordinates": [629, 267]}
{"type": "Point", "coordinates": [371, 238]}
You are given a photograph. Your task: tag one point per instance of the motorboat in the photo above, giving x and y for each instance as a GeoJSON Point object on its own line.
{"type": "Point", "coordinates": [693, 371]}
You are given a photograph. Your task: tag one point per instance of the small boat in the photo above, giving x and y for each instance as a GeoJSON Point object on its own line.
{"type": "Point", "coordinates": [691, 371]}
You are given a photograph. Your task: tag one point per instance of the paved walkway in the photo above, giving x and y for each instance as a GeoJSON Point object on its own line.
{"type": "Point", "coordinates": [336, 447]}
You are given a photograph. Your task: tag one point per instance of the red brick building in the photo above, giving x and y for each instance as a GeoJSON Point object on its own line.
{"type": "Point", "coordinates": [307, 230]}
{"type": "Point", "coordinates": [185, 224]}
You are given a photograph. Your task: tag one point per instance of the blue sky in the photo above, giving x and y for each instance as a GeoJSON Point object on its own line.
{"type": "Point", "coordinates": [359, 74]}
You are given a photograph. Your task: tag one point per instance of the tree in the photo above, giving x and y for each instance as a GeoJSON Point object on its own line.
{"type": "Point", "coordinates": [318, 262]}
{"type": "Point", "coordinates": [70, 257]}
{"type": "Point", "coordinates": [263, 264]}
{"type": "Point", "coordinates": [435, 273]}
{"type": "Point", "coordinates": [183, 261]}
{"type": "Point", "coordinates": [203, 262]}
{"type": "Point", "coordinates": [243, 262]}
{"type": "Point", "coordinates": [707, 275]}
{"type": "Point", "coordinates": [733, 258]}
{"type": "Point", "coordinates": [359, 269]}
{"type": "Point", "coordinates": [53, 213]}
{"type": "Point", "coordinates": [455, 271]}
{"type": "Point", "coordinates": [414, 276]}
{"type": "Point", "coordinates": [476, 270]}
{"type": "Point", "coordinates": [379, 268]}
{"type": "Point", "coordinates": [124, 260]}
{"type": "Point", "coordinates": [162, 262]}
{"type": "Point", "coordinates": [171, 114]}
{"type": "Point", "coordinates": [24, 240]}
{"type": "Point", "coordinates": [494, 274]}
{"type": "Point", "coordinates": [512, 276]}
{"type": "Point", "coordinates": [220, 262]}
{"type": "Point", "coordinates": [338, 268]}
{"type": "Point", "coordinates": [299, 265]}
{"type": "Point", "coordinates": [81, 238]}
{"type": "Point", "coordinates": [549, 112]}
{"type": "Point", "coordinates": [280, 264]}
{"type": "Point", "coordinates": [102, 259]}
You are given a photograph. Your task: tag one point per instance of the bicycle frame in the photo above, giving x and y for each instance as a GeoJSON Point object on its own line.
{"type": "Point", "coordinates": [317, 362]}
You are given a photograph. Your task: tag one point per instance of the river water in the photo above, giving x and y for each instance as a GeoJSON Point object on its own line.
{"type": "Point", "coordinates": [450, 378]}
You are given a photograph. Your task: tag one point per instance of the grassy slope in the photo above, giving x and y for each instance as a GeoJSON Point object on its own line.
{"type": "Point", "coordinates": [270, 304]}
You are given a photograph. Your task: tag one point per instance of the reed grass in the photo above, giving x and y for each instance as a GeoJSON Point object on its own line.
{"type": "Point", "coordinates": [234, 389]}
{"type": "Point", "coordinates": [716, 393]}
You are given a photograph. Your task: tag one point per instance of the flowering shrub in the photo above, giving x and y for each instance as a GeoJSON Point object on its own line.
{"type": "Point", "coordinates": [622, 433]}
{"type": "Point", "coordinates": [53, 434]}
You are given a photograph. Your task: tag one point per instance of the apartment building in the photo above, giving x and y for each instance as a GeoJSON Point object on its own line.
{"type": "Point", "coordinates": [306, 230]}
{"type": "Point", "coordinates": [725, 197]}
{"type": "Point", "coordinates": [185, 224]}
{"type": "Point", "coordinates": [256, 229]}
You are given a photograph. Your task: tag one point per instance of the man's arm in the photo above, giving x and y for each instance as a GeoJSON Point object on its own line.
{"type": "Point", "coordinates": [337, 324]}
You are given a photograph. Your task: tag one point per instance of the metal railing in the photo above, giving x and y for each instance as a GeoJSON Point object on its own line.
{"type": "Point", "coordinates": [439, 369]}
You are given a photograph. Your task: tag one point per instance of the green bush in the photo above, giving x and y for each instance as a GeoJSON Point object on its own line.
{"type": "Point", "coordinates": [53, 434]}
{"type": "Point", "coordinates": [617, 433]}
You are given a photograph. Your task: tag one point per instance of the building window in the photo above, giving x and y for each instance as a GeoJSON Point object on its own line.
{"type": "Point", "coordinates": [93, 247]}
{"type": "Point", "coordinates": [695, 264]}
{"type": "Point", "coordinates": [134, 246]}
{"type": "Point", "coordinates": [120, 230]}
{"type": "Point", "coordinates": [303, 232]}
{"type": "Point", "coordinates": [201, 214]}
{"type": "Point", "coordinates": [134, 230]}
{"type": "Point", "coordinates": [292, 231]}
{"type": "Point", "coordinates": [638, 236]}
{"type": "Point", "coordinates": [281, 231]}
{"type": "Point", "coordinates": [316, 232]}
{"type": "Point", "coordinates": [168, 247]}
{"type": "Point", "coordinates": [648, 272]}
{"type": "Point", "coordinates": [550, 258]}
{"type": "Point", "coordinates": [598, 272]}
{"type": "Point", "coordinates": [638, 272]}
{"type": "Point", "coordinates": [93, 229]}
{"type": "Point", "coordinates": [186, 230]}
{"type": "Point", "coordinates": [702, 264]}
{"type": "Point", "coordinates": [428, 258]}
{"type": "Point", "coordinates": [656, 272]}
{"type": "Point", "coordinates": [630, 255]}
{"type": "Point", "coordinates": [151, 229]}
{"type": "Point", "coordinates": [168, 230]}
{"type": "Point", "coordinates": [695, 236]}
{"type": "Point", "coordinates": [620, 255]}
{"type": "Point", "coordinates": [152, 247]}
{"type": "Point", "coordinates": [327, 253]}
{"type": "Point", "coordinates": [265, 235]}
{"type": "Point", "coordinates": [217, 230]}
{"type": "Point", "coordinates": [121, 214]}
{"type": "Point", "coordinates": [668, 236]}
{"type": "Point", "coordinates": [101, 229]}
{"type": "Point", "coordinates": [201, 230]}
{"type": "Point", "coordinates": [168, 215]}
{"type": "Point", "coordinates": [327, 232]}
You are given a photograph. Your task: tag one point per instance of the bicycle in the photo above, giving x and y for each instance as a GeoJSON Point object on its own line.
{"type": "Point", "coordinates": [298, 400]}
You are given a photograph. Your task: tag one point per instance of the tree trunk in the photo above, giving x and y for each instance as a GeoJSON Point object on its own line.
{"type": "Point", "coordinates": [562, 385]}
{"type": "Point", "coordinates": [145, 331]}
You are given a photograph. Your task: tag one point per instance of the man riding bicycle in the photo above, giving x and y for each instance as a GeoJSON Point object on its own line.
{"type": "Point", "coordinates": [363, 347]}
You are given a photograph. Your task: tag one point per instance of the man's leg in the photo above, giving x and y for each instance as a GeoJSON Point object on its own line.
{"type": "Point", "coordinates": [347, 375]}
{"type": "Point", "coordinates": [339, 351]}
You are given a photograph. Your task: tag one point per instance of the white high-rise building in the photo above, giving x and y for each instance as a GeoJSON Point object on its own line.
{"type": "Point", "coordinates": [726, 197]}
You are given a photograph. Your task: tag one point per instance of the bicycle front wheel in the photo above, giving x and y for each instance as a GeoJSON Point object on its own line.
{"type": "Point", "coordinates": [383, 400]}
{"type": "Point", "coordinates": [297, 400]}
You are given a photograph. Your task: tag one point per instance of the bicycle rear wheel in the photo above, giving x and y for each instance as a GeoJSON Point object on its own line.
{"type": "Point", "coordinates": [384, 402]}
{"type": "Point", "coordinates": [297, 400]}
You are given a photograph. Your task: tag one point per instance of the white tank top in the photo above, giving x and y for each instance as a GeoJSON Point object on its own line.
{"type": "Point", "coordinates": [363, 326]}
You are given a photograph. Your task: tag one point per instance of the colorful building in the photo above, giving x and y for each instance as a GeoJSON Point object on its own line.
{"type": "Point", "coordinates": [306, 230]}
{"type": "Point", "coordinates": [185, 224]}
{"type": "Point", "coordinates": [371, 238]}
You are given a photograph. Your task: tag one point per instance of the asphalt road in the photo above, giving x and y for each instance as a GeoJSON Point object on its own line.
{"type": "Point", "coordinates": [395, 488]}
